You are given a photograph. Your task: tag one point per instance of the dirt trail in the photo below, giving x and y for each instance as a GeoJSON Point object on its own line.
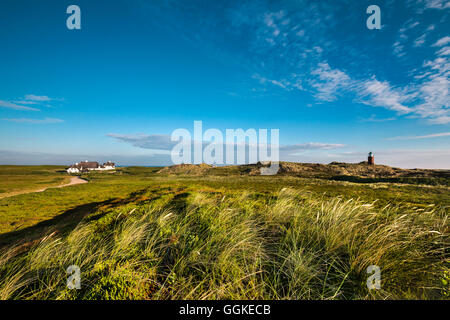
{"type": "Point", "coordinates": [73, 181]}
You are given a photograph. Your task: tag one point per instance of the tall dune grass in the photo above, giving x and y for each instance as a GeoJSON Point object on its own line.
{"type": "Point", "coordinates": [211, 245]}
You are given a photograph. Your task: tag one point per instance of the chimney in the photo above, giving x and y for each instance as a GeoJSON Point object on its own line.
{"type": "Point", "coordinates": [371, 159]}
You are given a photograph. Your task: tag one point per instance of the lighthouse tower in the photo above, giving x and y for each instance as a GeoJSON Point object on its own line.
{"type": "Point", "coordinates": [371, 159]}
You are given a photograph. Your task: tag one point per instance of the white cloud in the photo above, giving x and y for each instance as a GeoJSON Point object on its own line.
{"type": "Point", "coordinates": [398, 49]}
{"type": "Point", "coordinates": [10, 105]}
{"type": "Point", "coordinates": [154, 141]}
{"type": "Point", "coordinates": [273, 20]}
{"type": "Point", "coordinates": [428, 136]}
{"type": "Point", "coordinates": [440, 65]}
{"type": "Point", "coordinates": [373, 118]}
{"type": "Point", "coordinates": [33, 97]}
{"type": "Point", "coordinates": [442, 42]}
{"type": "Point", "coordinates": [25, 102]}
{"type": "Point", "coordinates": [163, 144]}
{"type": "Point", "coordinates": [429, 99]}
{"type": "Point", "coordinates": [399, 44]}
{"type": "Point", "coordinates": [30, 99]}
{"type": "Point", "coordinates": [371, 92]}
{"type": "Point", "coordinates": [300, 33]}
{"type": "Point", "coordinates": [282, 83]}
{"type": "Point", "coordinates": [420, 40]}
{"type": "Point", "coordinates": [328, 81]}
{"type": "Point", "coordinates": [434, 91]}
{"type": "Point", "coordinates": [437, 4]}
{"type": "Point", "coordinates": [445, 51]}
{"type": "Point", "coordinates": [35, 121]}
{"type": "Point", "coordinates": [298, 148]}
{"type": "Point", "coordinates": [436, 100]}
{"type": "Point", "coordinates": [380, 93]}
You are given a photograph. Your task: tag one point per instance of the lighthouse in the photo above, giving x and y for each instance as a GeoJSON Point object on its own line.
{"type": "Point", "coordinates": [371, 158]}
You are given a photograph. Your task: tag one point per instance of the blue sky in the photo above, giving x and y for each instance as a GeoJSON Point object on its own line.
{"type": "Point", "coordinates": [137, 70]}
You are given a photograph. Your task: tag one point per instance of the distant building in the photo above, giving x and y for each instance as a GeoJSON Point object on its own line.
{"type": "Point", "coordinates": [108, 166]}
{"type": "Point", "coordinates": [86, 166]}
{"type": "Point", "coordinates": [371, 158]}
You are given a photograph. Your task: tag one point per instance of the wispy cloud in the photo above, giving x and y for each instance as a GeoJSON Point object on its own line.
{"type": "Point", "coordinates": [328, 81]}
{"type": "Point", "coordinates": [15, 106]}
{"type": "Point", "coordinates": [428, 97]}
{"type": "Point", "coordinates": [293, 149]}
{"type": "Point", "coordinates": [403, 36]}
{"type": "Point", "coordinates": [282, 83]}
{"type": "Point", "coordinates": [29, 99]}
{"type": "Point", "coordinates": [420, 40]}
{"type": "Point", "coordinates": [434, 91]}
{"type": "Point", "coordinates": [164, 142]}
{"type": "Point", "coordinates": [437, 4]}
{"type": "Point", "coordinates": [34, 121]}
{"type": "Point", "coordinates": [373, 118]}
{"type": "Point", "coordinates": [398, 49]}
{"type": "Point", "coordinates": [154, 141]}
{"type": "Point", "coordinates": [442, 42]}
{"type": "Point", "coordinates": [380, 93]}
{"type": "Point", "coordinates": [32, 97]}
{"type": "Point", "coordinates": [289, 49]}
{"type": "Point", "coordinates": [30, 102]}
{"type": "Point", "coordinates": [445, 51]}
{"type": "Point", "coordinates": [24, 102]}
{"type": "Point", "coordinates": [419, 99]}
{"type": "Point", "coordinates": [428, 136]}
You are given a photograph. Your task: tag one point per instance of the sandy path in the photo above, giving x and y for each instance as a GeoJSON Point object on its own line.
{"type": "Point", "coordinates": [73, 181]}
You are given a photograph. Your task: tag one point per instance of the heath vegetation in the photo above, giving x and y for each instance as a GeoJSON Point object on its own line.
{"type": "Point", "coordinates": [140, 234]}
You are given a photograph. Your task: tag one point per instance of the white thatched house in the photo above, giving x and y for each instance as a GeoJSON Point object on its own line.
{"type": "Point", "coordinates": [87, 166]}
{"type": "Point", "coordinates": [107, 166]}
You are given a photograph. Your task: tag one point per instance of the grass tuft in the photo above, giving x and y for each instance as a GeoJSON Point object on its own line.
{"type": "Point", "coordinates": [291, 244]}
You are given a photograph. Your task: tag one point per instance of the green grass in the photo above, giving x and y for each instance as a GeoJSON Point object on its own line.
{"type": "Point", "coordinates": [33, 170]}
{"type": "Point", "coordinates": [25, 210]}
{"type": "Point", "coordinates": [139, 235]}
{"type": "Point", "coordinates": [235, 245]}
{"type": "Point", "coordinates": [432, 181]}
{"type": "Point", "coordinates": [17, 179]}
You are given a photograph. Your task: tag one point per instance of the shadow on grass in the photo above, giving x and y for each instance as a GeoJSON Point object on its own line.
{"type": "Point", "coordinates": [62, 223]}
{"type": "Point", "coordinates": [179, 201]}
{"type": "Point", "coordinates": [68, 220]}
